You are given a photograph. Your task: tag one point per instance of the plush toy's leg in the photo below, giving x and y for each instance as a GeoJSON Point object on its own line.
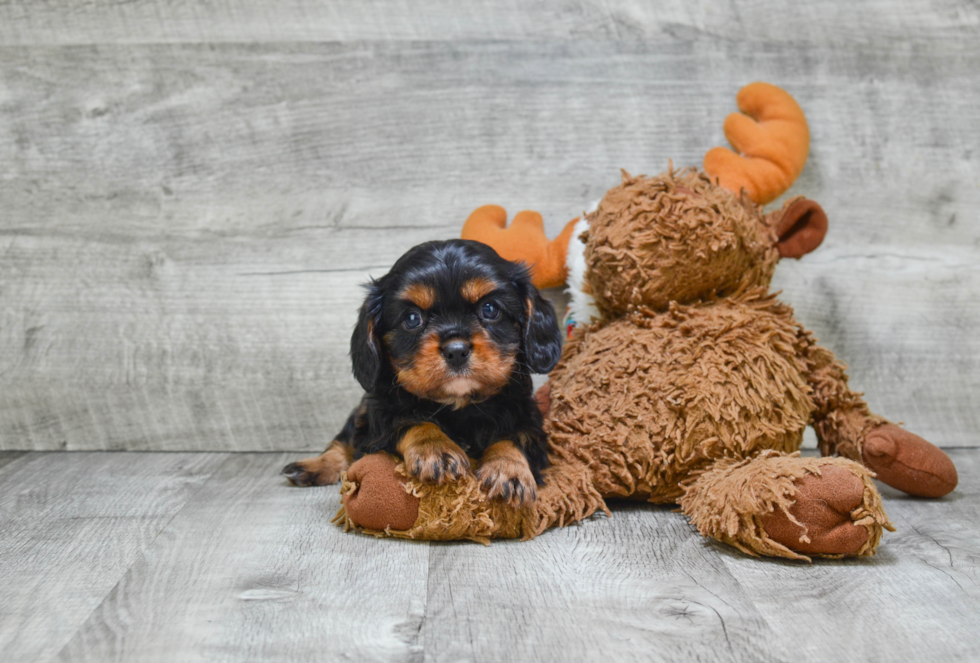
{"type": "Point", "coordinates": [380, 498]}
{"type": "Point", "coordinates": [788, 506]}
{"type": "Point", "coordinates": [845, 426]}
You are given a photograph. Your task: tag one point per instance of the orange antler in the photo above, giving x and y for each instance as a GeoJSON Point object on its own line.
{"type": "Point", "coordinates": [524, 240]}
{"type": "Point", "coordinates": [772, 139]}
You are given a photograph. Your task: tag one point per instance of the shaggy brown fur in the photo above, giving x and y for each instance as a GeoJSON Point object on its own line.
{"type": "Point", "coordinates": [841, 418]}
{"type": "Point", "coordinates": [675, 238]}
{"type": "Point", "coordinates": [648, 400]}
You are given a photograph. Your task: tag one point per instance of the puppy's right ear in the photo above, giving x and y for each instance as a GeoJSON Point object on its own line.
{"type": "Point", "coordinates": [365, 343]}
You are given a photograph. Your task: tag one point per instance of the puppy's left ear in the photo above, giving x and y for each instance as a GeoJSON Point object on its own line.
{"type": "Point", "coordinates": [365, 343]}
{"type": "Point", "coordinates": [542, 335]}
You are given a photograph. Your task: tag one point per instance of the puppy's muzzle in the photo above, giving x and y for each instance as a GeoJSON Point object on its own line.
{"type": "Point", "coordinates": [456, 352]}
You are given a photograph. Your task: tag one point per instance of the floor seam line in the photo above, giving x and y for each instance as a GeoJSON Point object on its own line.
{"type": "Point", "coordinates": [142, 553]}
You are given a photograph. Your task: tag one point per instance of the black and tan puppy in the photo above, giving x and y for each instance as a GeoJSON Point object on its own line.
{"type": "Point", "coordinates": [444, 347]}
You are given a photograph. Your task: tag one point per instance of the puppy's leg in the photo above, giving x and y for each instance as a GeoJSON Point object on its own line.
{"type": "Point", "coordinates": [325, 469]}
{"type": "Point", "coordinates": [431, 456]}
{"type": "Point", "coordinates": [321, 470]}
{"type": "Point", "coordinates": [506, 475]}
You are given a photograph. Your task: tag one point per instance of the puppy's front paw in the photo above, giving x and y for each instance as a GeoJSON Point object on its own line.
{"type": "Point", "coordinates": [432, 457]}
{"type": "Point", "coordinates": [437, 464]}
{"type": "Point", "coordinates": [505, 475]}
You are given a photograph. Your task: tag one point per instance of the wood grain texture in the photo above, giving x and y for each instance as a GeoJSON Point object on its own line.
{"type": "Point", "coordinates": [251, 569]}
{"type": "Point", "coordinates": [72, 524]}
{"type": "Point", "coordinates": [186, 224]}
{"type": "Point", "coordinates": [142, 21]}
{"type": "Point", "coordinates": [638, 587]}
{"type": "Point", "coordinates": [7, 457]}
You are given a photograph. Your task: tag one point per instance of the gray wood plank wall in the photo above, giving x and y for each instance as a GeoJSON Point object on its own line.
{"type": "Point", "coordinates": [190, 193]}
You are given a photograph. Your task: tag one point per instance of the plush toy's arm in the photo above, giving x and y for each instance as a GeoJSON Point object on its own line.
{"type": "Point", "coordinates": [846, 426]}
{"type": "Point", "coordinates": [381, 498]}
{"type": "Point", "coordinates": [842, 418]}
{"type": "Point", "coordinates": [523, 241]}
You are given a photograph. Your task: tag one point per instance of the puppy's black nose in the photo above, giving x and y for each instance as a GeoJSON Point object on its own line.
{"type": "Point", "coordinates": [456, 352]}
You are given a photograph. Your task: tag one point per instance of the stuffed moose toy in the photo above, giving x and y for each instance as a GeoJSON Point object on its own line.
{"type": "Point", "coordinates": [684, 379]}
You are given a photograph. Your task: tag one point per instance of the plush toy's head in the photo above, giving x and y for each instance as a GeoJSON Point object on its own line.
{"type": "Point", "coordinates": [678, 237]}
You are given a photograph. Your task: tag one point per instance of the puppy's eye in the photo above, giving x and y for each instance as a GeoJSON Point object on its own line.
{"type": "Point", "coordinates": [413, 320]}
{"type": "Point", "coordinates": [490, 311]}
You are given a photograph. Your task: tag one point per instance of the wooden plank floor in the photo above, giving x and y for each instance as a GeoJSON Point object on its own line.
{"type": "Point", "coordinates": [185, 557]}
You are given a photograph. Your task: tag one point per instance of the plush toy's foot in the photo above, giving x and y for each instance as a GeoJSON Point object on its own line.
{"type": "Point", "coordinates": [819, 521]}
{"type": "Point", "coordinates": [381, 497]}
{"type": "Point", "coordinates": [905, 461]}
{"type": "Point", "coordinates": [542, 397]}
{"type": "Point", "coordinates": [787, 506]}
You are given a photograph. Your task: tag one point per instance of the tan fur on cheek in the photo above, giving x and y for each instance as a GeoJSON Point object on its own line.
{"type": "Point", "coordinates": [425, 372]}
{"type": "Point", "coordinates": [426, 375]}
{"type": "Point", "coordinates": [490, 364]}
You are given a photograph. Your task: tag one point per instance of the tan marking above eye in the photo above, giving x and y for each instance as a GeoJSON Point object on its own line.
{"type": "Point", "coordinates": [476, 289]}
{"type": "Point", "coordinates": [421, 295]}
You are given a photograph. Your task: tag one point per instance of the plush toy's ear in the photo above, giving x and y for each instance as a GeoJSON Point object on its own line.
{"type": "Point", "coordinates": [542, 335]}
{"type": "Point", "coordinates": [365, 343]}
{"type": "Point", "coordinates": [800, 228]}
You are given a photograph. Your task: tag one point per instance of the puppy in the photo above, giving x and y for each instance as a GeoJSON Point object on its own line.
{"type": "Point", "coordinates": [444, 347]}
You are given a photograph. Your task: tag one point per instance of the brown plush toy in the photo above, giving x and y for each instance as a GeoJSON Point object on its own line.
{"type": "Point", "coordinates": [685, 380]}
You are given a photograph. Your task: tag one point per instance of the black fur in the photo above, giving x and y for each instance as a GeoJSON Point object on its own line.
{"type": "Point", "coordinates": [365, 344]}
{"type": "Point", "coordinates": [526, 324]}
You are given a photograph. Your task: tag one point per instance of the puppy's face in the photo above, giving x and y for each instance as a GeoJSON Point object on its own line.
{"type": "Point", "coordinates": [451, 323]}
{"type": "Point", "coordinates": [454, 334]}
